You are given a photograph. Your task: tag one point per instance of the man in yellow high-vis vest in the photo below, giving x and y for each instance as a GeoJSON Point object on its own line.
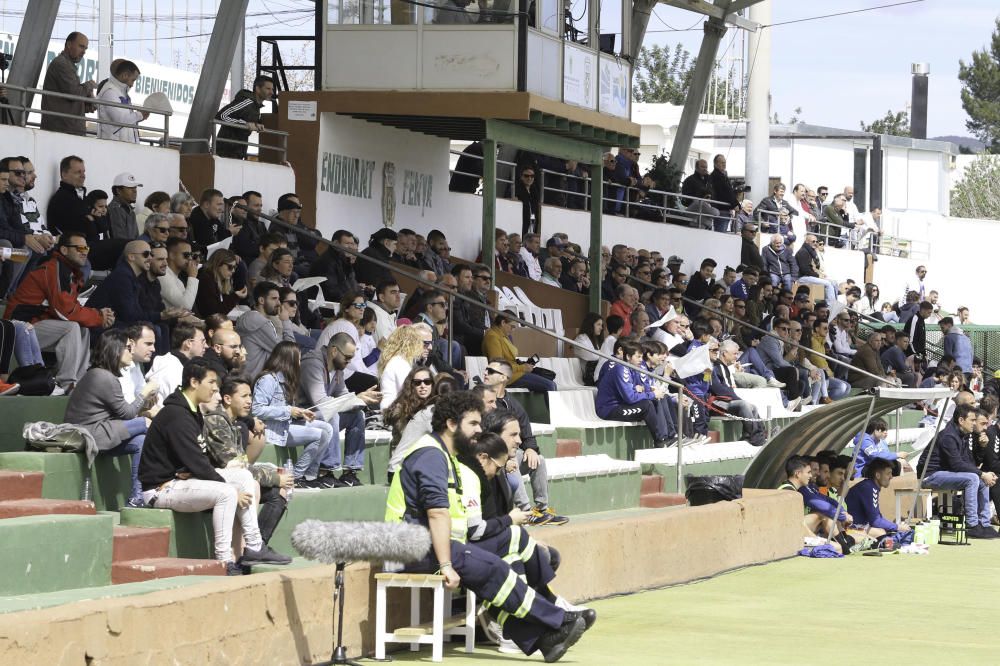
{"type": "Point", "coordinates": [427, 490]}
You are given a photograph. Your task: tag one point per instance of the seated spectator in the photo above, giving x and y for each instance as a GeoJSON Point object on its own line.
{"type": "Point", "coordinates": [469, 320]}
{"type": "Point", "coordinates": [280, 268]}
{"type": "Point", "coordinates": [216, 293]}
{"type": "Point", "coordinates": [873, 446]}
{"type": "Point", "coordinates": [99, 405]}
{"type": "Point", "coordinates": [337, 267]}
{"type": "Point", "coordinates": [17, 230]}
{"type": "Point", "coordinates": [616, 276]}
{"type": "Point", "coordinates": [862, 500]}
{"type": "Point", "coordinates": [701, 283]}
{"type": "Point", "coordinates": [529, 255]}
{"type": "Point", "coordinates": [898, 363]}
{"type": "Point", "coordinates": [225, 352]}
{"type": "Point", "coordinates": [322, 377]}
{"type": "Point", "coordinates": [302, 241]}
{"type": "Point", "coordinates": [274, 394]}
{"type": "Point", "coordinates": [826, 388]}
{"type": "Point", "coordinates": [155, 202]}
{"type": "Point", "coordinates": [172, 451]}
{"type": "Point", "coordinates": [186, 343]}
{"type": "Point", "coordinates": [626, 300]}
{"type": "Point", "coordinates": [821, 518]}
{"type": "Point", "coordinates": [434, 313]}
{"type": "Point", "coordinates": [867, 360]}
{"type": "Point", "coordinates": [268, 243]}
{"type": "Point", "coordinates": [497, 343]}
{"type": "Point", "coordinates": [121, 212]}
{"type": "Point", "coordinates": [123, 76]}
{"type": "Point", "coordinates": [132, 379]}
{"type": "Point", "coordinates": [182, 204]}
{"type": "Point", "coordinates": [244, 110]}
{"type": "Point", "coordinates": [529, 461]}
{"type": "Point", "coordinates": [949, 466]}
{"type": "Point", "coordinates": [576, 278]}
{"type": "Point", "coordinates": [810, 271]}
{"type": "Point", "coordinates": [348, 320]}
{"type": "Point", "coordinates": [71, 208]}
{"type": "Point", "coordinates": [723, 390]}
{"type": "Point", "coordinates": [47, 298]}
{"type": "Point", "coordinates": [61, 77]}
{"type": "Point", "coordinates": [386, 308]}
{"type": "Point", "coordinates": [404, 347]}
{"type": "Point", "coordinates": [614, 326]}
{"type": "Point", "coordinates": [409, 415]}
{"type": "Point", "coordinates": [552, 272]}
{"type": "Point", "coordinates": [179, 285]}
{"type": "Point", "coordinates": [381, 247]}
{"type": "Point", "coordinates": [957, 344]}
{"type": "Point", "coordinates": [155, 228]}
{"type": "Point", "coordinates": [207, 227]}
{"type": "Point", "coordinates": [591, 339]}
{"type": "Point", "coordinates": [622, 394]}
{"type": "Point", "coordinates": [259, 328]}
{"type": "Point", "coordinates": [771, 351]}
{"type": "Point", "coordinates": [231, 444]}
{"type": "Point", "coordinates": [779, 263]}
{"type": "Point", "coordinates": [247, 241]}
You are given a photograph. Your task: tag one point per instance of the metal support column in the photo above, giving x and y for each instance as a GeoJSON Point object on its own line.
{"type": "Point", "coordinates": [641, 11]}
{"type": "Point", "coordinates": [29, 54]}
{"type": "Point", "coordinates": [211, 83]}
{"type": "Point", "coordinates": [715, 29]}
{"type": "Point", "coordinates": [105, 38]}
{"type": "Point", "coordinates": [759, 103]}
{"type": "Point", "coordinates": [489, 204]}
{"type": "Point", "coordinates": [239, 67]}
{"type": "Point", "coordinates": [596, 221]}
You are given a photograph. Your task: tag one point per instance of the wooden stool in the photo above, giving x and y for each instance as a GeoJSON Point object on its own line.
{"type": "Point", "coordinates": [910, 494]}
{"type": "Point", "coordinates": [433, 632]}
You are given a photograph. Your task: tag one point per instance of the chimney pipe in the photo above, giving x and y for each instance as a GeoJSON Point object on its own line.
{"type": "Point", "coordinates": [918, 101]}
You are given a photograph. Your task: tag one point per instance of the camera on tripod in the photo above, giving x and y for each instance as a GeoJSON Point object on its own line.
{"type": "Point", "coordinates": [4, 61]}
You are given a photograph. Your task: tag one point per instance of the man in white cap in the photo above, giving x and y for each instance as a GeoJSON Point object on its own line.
{"type": "Point", "coordinates": [121, 210]}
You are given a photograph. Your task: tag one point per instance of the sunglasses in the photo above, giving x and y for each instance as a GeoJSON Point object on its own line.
{"type": "Point", "coordinates": [482, 277]}
{"type": "Point", "coordinates": [79, 248]}
{"type": "Point", "coordinates": [146, 254]}
{"type": "Point", "coordinates": [162, 230]}
{"type": "Point", "coordinates": [294, 304]}
{"type": "Point", "coordinates": [231, 267]}
{"type": "Point", "coordinates": [428, 344]}
{"type": "Point", "coordinates": [441, 303]}
{"type": "Point", "coordinates": [184, 229]}
{"type": "Point", "coordinates": [186, 255]}
{"type": "Point", "coordinates": [17, 172]}
{"type": "Point", "coordinates": [422, 382]}
{"type": "Point", "coordinates": [491, 371]}
{"type": "Point", "coordinates": [358, 306]}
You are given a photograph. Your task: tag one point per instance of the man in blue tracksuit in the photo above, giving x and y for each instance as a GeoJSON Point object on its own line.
{"type": "Point", "coordinates": [699, 384]}
{"type": "Point", "coordinates": [872, 446]}
{"type": "Point", "coordinates": [862, 500]}
{"type": "Point", "coordinates": [654, 354]}
{"type": "Point", "coordinates": [949, 466]}
{"type": "Point", "coordinates": [622, 395]}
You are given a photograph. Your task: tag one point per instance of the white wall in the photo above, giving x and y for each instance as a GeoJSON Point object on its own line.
{"type": "Point", "coordinates": [155, 168]}
{"type": "Point", "coordinates": [238, 176]}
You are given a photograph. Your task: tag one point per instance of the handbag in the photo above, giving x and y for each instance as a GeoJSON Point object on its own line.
{"type": "Point", "coordinates": [545, 373]}
{"type": "Point", "coordinates": [34, 379]}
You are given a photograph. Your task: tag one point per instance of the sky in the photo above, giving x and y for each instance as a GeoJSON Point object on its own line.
{"type": "Point", "coordinates": [839, 70]}
{"type": "Point", "coordinates": [854, 68]}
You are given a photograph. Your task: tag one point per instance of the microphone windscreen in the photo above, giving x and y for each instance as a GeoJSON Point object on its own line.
{"type": "Point", "coordinates": [355, 541]}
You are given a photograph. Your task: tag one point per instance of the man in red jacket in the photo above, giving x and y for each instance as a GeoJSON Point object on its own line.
{"type": "Point", "coordinates": [47, 298]}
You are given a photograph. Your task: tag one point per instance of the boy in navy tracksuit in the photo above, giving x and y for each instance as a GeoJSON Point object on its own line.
{"type": "Point", "coordinates": [699, 384]}
{"type": "Point", "coordinates": [821, 517]}
{"type": "Point", "coordinates": [654, 354]}
{"type": "Point", "coordinates": [622, 395]}
{"type": "Point", "coordinates": [862, 499]}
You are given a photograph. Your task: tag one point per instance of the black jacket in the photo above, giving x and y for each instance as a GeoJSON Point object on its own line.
{"type": "Point", "coordinates": [723, 190]}
{"type": "Point", "coordinates": [67, 212]}
{"type": "Point", "coordinates": [805, 258]}
{"type": "Point", "coordinates": [950, 453]}
{"type": "Point", "coordinates": [369, 273]}
{"type": "Point", "coordinates": [246, 243]}
{"type": "Point", "coordinates": [528, 440]}
{"type": "Point", "coordinates": [470, 167]}
{"type": "Point", "coordinates": [917, 330]}
{"type": "Point", "coordinates": [124, 292]}
{"type": "Point", "coordinates": [175, 444]}
{"type": "Point", "coordinates": [243, 109]}
{"type": "Point", "coordinates": [206, 231]}
{"type": "Point", "coordinates": [339, 274]}
{"type": "Point", "coordinates": [750, 255]}
{"type": "Point", "coordinates": [11, 227]}
{"type": "Point", "coordinates": [698, 186]}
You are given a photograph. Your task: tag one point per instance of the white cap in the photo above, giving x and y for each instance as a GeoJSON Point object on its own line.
{"type": "Point", "coordinates": [126, 180]}
{"type": "Point", "coordinates": [157, 102]}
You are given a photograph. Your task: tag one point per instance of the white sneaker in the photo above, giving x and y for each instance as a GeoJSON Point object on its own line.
{"type": "Point", "coordinates": [563, 602]}
{"type": "Point", "coordinates": [58, 390]}
{"type": "Point", "coordinates": [491, 628]}
{"type": "Point", "coordinates": [793, 404]}
{"type": "Point", "coordinates": [508, 647]}
{"type": "Point", "coordinates": [774, 383]}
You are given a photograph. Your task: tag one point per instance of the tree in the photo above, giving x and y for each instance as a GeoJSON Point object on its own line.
{"type": "Point", "coordinates": [896, 124]}
{"type": "Point", "coordinates": [794, 119]}
{"type": "Point", "coordinates": [663, 76]}
{"type": "Point", "coordinates": [981, 92]}
{"type": "Point", "coordinates": [977, 195]}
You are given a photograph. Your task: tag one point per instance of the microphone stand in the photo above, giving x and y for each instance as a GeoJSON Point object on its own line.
{"type": "Point", "coordinates": [340, 650]}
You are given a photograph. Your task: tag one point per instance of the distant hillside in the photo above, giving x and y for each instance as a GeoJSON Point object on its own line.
{"type": "Point", "coordinates": [974, 145]}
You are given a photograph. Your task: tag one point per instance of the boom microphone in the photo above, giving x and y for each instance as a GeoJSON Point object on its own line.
{"type": "Point", "coordinates": [356, 541]}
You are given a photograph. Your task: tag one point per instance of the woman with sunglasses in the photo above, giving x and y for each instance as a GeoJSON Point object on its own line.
{"type": "Point", "coordinates": [401, 351]}
{"type": "Point", "coordinates": [216, 294]}
{"type": "Point", "coordinates": [290, 306]}
{"type": "Point", "coordinates": [409, 415]}
{"type": "Point", "coordinates": [287, 425]}
{"type": "Point", "coordinates": [99, 405]}
{"type": "Point", "coordinates": [352, 308]}
{"type": "Point", "coordinates": [869, 303]}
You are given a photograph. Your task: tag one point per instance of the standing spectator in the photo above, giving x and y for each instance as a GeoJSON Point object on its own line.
{"type": "Point", "coordinates": [258, 328]}
{"type": "Point", "coordinates": [722, 189]}
{"type": "Point", "coordinates": [99, 405]}
{"type": "Point", "coordinates": [179, 285]}
{"type": "Point", "coordinates": [526, 191]}
{"type": "Point", "coordinates": [123, 77]}
{"type": "Point", "coordinates": [695, 188]}
{"type": "Point", "coordinates": [916, 328]}
{"type": "Point", "coordinates": [779, 263]}
{"type": "Point", "coordinates": [836, 222]}
{"type": "Point", "coordinates": [247, 241]}
{"type": "Point", "coordinates": [215, 285]}
{"type": "Point", "coordinates": [206, 222]}
{"type": "Point", "coordinates": [468, 169]}
{"type": "Point", "coordinates": [186, 343]}
{"type": "Point", "coordinates": [47, 298]}
{"type": "Point", "coordinates": [769, 209]}
{"type": "Point", "coordinates": [243, 110]}
{"type": "Point", "coordinates": [957, 344]}
{"type": "Point", "coordinates": [121, 212]}
{"type": "Point", "coordinates": [61, 77]}
{"type": "Point", "coordinates": [497, 344]}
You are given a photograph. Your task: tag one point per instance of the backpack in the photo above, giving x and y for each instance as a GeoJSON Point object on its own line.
{"type": "Point", "coordinates": [34, 379]}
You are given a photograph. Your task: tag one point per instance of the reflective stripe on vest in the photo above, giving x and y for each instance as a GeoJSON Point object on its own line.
{"type": "Point", "coordinates": [395, 506]}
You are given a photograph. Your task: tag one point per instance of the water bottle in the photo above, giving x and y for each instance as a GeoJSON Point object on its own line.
{"type": "Point", "coordinates": [15, 254]}
{"type": "Point", "coordinates": [290, 471]}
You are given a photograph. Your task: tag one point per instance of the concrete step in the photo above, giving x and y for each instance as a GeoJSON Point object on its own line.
{"type": "Point", "coordinates": [651, 483]}
{"type": "Point", "coordinates": [41, 507]}
{"type": "Point", "coordinates": [152, 568]}
{"type": "Point", "coordinates": [140, 543]}
{"type": "Point", "coordinates": [714, 436]}
{"type": "Point", "coordinates": [661, 500]}
{"type": "Point", "coordinates": [20, 485]}
{"type": "Point", "coordinates": [15, 412]}
{"type": "Point", "coordinates": [64, 473]}
{"type": "Point", "coordinates": [566, 448]}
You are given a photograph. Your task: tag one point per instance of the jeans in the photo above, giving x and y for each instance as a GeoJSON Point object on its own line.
{"type": "Point", "coordinates": [752, 358]}
{"type": "Point", "coordinates": [535, 383]}
{"type": "Point", "coordinates": [194, 495]}
{"type": "Point", "coordinates": [976, 494]}
{"type": "Point", "coordinates": [353, 425]}
{"type": "Point", "coordinates": [132, 446]}
{"type": "Point", "coordinates": [539, 483]}
{"type": "Point", "coordinates": [781, 281]}
{"type": "Point", "coordinates": [316, 438]}
{"type": "Point", "coordinates": [27, 351]}
{"type": "Point", "coordinates": [753, 431]}
{"type": "Point", "coordinates": [829, 286]}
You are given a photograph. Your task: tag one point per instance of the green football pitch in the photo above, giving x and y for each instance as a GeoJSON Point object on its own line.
{"type": "Point", "coordinates": [894, 609]}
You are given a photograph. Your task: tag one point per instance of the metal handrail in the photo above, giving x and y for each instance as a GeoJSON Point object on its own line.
{"type": "Point", "coordinates": [96, 101]}
{"type": "Point", "coordinates": [215, 140]}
